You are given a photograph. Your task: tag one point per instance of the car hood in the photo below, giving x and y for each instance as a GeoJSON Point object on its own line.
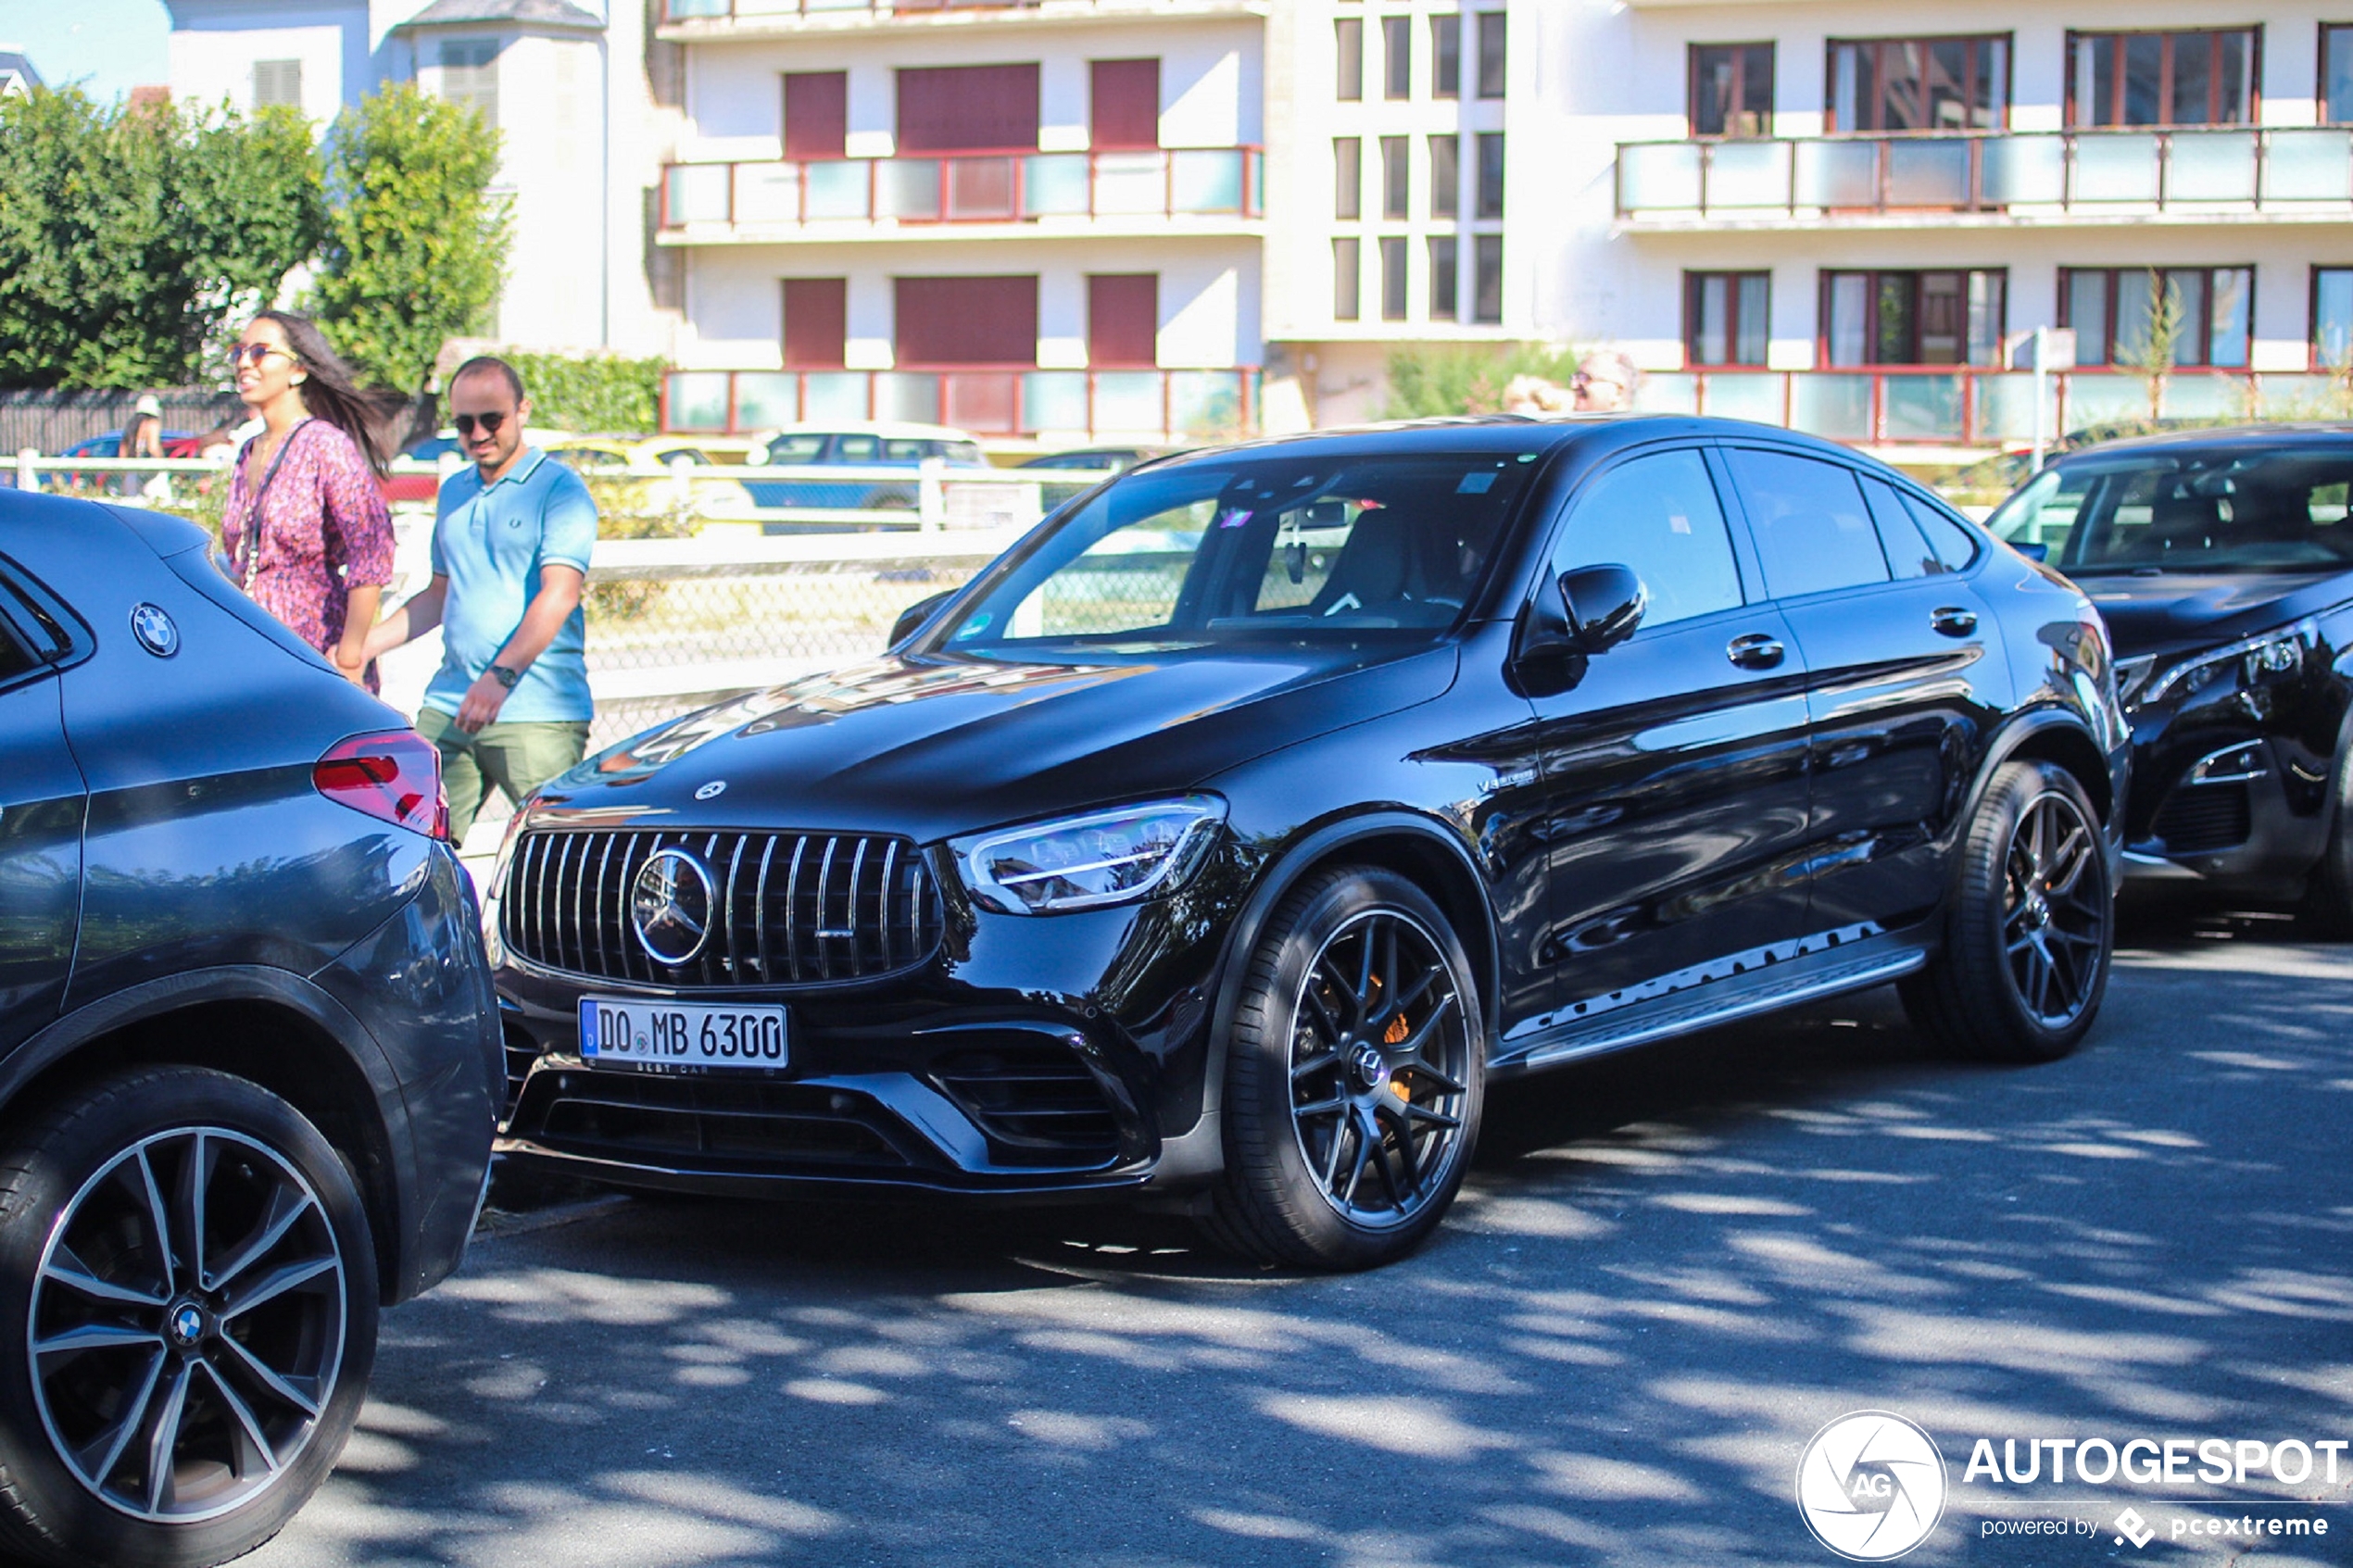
{"type": "Point", "coordinates": [935, 746]}
{"type": "Point", "coordinates": [2157, 614]}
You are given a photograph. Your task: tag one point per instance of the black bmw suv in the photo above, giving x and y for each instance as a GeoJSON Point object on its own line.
{"type": "Point", "coordinates": [2223, 563]}
{"type": "Point", "coordinates": [1226, 839]}
{"type": "Point", "coordinates": [248, 1044]}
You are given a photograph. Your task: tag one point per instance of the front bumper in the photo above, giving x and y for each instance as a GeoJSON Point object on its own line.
{"type": "Point", "coordinates": [1030, 1057]}
{"type": "Point", "coordinates": [2254, 826]}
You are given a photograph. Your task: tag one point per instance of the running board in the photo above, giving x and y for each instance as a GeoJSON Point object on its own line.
{"type": "Point", "coordinates": [1783, 990]}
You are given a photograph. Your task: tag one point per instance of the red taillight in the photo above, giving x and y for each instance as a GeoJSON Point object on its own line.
{"type": "Point", "coordinates": [394, 776]}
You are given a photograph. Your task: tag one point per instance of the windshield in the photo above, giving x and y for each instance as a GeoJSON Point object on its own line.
{"type": "Point", "coordinates": [2188, 512]}
{"type": "Point", "coordinates": [1273, 548]}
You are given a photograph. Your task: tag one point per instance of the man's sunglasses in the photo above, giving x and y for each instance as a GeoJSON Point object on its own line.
{"type": "Point", "coordinates": [253, 353]}
{"type": "Point", "coordinates": [489, 424]}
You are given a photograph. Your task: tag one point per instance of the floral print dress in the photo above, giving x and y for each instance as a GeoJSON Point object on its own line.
{"type": "Point", "coordinates": [301, 535]}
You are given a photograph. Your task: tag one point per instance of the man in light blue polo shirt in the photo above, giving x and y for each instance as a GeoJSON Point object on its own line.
{"type": "Point", "coordinates": [511, 539]}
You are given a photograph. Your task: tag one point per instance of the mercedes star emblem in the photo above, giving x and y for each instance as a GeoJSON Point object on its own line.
{"type": "Point", "coordinates": [671, 906]}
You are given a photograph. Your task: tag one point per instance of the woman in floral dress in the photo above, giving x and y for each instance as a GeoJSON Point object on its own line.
{"type": "Point", "coordinates": [305, 528]}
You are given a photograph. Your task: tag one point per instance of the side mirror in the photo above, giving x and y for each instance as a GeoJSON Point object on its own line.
{"type": "Point", "coordinates": [914, 615]}
{"type": "Point", "coordinates": [1605, 603]}
{"type": "Point", "coordinates": [2033, 552]}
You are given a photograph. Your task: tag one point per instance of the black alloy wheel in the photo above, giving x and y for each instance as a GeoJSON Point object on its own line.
{"type": "Point", "coordinates": [2328, 894]}
{"type": "Point", "coordinates": [2030, 939]}
{"type": "Point", "coordinates": [187, 1264]}
{"type": "Point", "coordinates": [2053, 930]}
{"type": "Point", "coordinates": [1353, 1077]}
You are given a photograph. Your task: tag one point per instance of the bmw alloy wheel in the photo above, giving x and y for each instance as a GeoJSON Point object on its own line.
{"type": "Point", "coordinates": [187, 1324]}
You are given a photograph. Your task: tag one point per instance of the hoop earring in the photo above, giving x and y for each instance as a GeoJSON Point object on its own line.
{"type": "Point", "coordinates": [296, 380]}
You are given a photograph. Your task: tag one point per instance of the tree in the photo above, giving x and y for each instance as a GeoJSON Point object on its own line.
{"type": "Point", "coordinates": [417, 245]}
{"type": "Point", "coordinates": [2158, 347]}
{"type": "Point", "coordinates": [127, 235]}
{"type": "Point", "coordinates": [1468, 378]}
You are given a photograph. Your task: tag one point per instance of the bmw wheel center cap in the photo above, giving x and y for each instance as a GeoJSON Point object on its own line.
{"type": "Point", "coordinates": [670, 905]}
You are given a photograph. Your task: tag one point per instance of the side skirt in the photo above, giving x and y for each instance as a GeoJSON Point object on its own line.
{"type": "Point", "coordinates": [1724, 991]}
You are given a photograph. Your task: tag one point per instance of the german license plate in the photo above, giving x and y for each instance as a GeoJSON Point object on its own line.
{"type": "Point", "coordinates": [633, 1032]}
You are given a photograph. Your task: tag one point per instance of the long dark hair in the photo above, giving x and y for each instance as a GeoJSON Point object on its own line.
{"type": "Point", "coordinates": [333, 393]}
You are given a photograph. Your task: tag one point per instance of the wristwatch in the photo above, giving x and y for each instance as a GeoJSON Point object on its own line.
{"type": "Point", "coordinates": [503, 676]}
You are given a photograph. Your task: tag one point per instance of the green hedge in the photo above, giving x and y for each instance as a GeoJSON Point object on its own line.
{"type": "Point", "coordinates": [592, 394]}
{"type": "Point", "coordinates": [1468, 378]}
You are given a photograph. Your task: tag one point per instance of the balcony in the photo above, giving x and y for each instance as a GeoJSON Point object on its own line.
{"type": "Point", "coordinates": [702, 20]}
{"type": "Point", "coordinates": [759, 202]}
{"type": "Point", "coordinates": [2061, 177]}
{"type": "Point", "coordinates": [1960, 406]}
{"type": "Point", "coordinates": [1012, 400]}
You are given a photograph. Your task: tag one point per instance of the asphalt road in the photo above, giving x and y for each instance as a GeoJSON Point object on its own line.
{"type": "Point", "coordinates": [1669, 1271]}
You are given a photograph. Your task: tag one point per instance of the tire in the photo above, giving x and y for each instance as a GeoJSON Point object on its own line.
{"type": "Point", "coordinates": [2031, 934]}
{"type": "Point", "coordinates": [2328, 893]}
{"type": "Point", "coordinates": [255, 1342]}
{"type": "Point", "coordinates": [1352, 1100]}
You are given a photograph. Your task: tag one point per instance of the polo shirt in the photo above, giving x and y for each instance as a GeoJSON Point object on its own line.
{"type": "Point", "coordinates": [491, 542]}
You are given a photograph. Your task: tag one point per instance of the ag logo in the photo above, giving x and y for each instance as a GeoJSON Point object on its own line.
{"type": "Point", "coordinates": [1870, 1485]}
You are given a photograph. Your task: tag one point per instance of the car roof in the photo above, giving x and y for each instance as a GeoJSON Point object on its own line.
{"type": "Point", "coordinates": [2222, 438]}
{"type": "Point", "coordinates": [1507, 433]}
{"type": "Point", "coordinates": [890, 430]}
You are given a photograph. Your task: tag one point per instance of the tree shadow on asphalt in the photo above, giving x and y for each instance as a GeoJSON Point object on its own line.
{"type": "Point", "coordinates": [1669, 1269]}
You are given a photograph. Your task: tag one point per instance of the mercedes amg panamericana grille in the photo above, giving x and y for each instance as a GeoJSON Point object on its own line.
{"type": "Point", "coordinates": [730, 909]}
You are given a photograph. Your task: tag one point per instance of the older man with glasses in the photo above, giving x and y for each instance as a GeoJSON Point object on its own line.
{"type": "Point", "coordinates": [511, 539]}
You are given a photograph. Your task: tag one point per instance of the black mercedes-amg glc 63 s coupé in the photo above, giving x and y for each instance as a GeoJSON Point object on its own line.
{"type": "Point", "coordinates": [1228, 840]}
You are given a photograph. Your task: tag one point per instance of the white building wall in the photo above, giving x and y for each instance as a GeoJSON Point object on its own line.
{"type": "Point", "coordinates": [212, 50]}
{"type": "Point", "coordinates": [1612, 72]}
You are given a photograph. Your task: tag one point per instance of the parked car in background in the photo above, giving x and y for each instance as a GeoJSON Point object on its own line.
{"type": "Point", "coordinates": [247, 1044]}
{"type": "Point", "coordinates": [2223, 563]}
{"type": "Point", "coordinates": [70, 481]}
{"type": "Point", "coordinates": [176, 443]}
{"type": "Point", "coordinates": [613, 457]}
{"type": "Point", "coordinates": [1221, 844]}
{"type": "Point", "coordinates": [1112, 460]}
{"type": "Point", "coordinates": [883, 445]}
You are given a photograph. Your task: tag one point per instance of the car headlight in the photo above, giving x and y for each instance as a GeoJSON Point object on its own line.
{"type": "Point", "coordinates": [2253, 658]}
{"type": "Point", "coordinates": [1087, 862]}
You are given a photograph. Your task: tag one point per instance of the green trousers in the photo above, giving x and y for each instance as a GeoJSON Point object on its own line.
{"type": "Point", "coordinates": [516, 758]}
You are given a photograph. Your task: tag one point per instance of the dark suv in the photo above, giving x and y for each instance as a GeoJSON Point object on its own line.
{"type": "Point", "coordinates": [248, 1048]}
{"type": "Point", "coordinates": [2224, 562]}
{"type": "Point", "coordinates": [1231, 834]}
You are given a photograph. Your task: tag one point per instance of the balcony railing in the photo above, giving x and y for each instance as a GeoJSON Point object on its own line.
{"type": "Point", "coordinates": [1014, 187]}
{"type": "Point", "coordinates": [1953, 406]}
{"type": "Point", "coordinates": [698, 10]}
{"type": "Point", "coordinates": [1012, 400]}
{"type": "Point", "coordinates": [2076, 172]}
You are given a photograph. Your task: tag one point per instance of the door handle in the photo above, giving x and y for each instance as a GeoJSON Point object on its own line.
{"type": "Point", "coordinates": [1755, 651]}
{"type": "Point", "coordinates": [1953, 620]}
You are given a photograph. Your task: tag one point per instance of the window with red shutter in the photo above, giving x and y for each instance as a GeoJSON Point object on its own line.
{"type": "Point", "coordinates": [1124, 105]}
{"type": "Point", "coordinates": [816, 323]}
{"type": "Point", "coordinates": [967, 320]}
{"type": "Point", "coordinates": [1123, 319]}
{"type": "Point", "coordinates": [966, 108]}
{"type": "Point", "coordinates": [816, 114]}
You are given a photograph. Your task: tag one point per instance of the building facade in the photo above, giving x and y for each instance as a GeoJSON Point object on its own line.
{"type": "Point", "coordinates": [1172, 220]}
{"type": "Point", "coordinates": [1043, 221]}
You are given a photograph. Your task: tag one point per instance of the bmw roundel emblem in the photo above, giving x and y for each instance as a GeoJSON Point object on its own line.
{"type": "Point", "coordinates": [156, 630]}
{"type": "Point", "coordinates": [712, 790]}
{"type": "Point", "coordinates": [670, 905]}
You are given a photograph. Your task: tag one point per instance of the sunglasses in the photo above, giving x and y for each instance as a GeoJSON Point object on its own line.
{"type": "Point", "coordinates": [254, 353]}
{"type": "Point", "coordinates": [489, 424]}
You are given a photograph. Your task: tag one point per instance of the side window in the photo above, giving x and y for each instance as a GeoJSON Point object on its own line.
{"type": "Point", "coordinates": [856, 449]}
{"type": "Point", "coordinates": [1954, 545]}
{"type": "Point", "coordinates": [15, 659]}
{"type": "Point", "coordinates": [790, 449]}
{"type": "Point", "coordinates": [1907, 552]}
{"type": "Point", "coordinates": [1658, 515]}
{"type": "Point", "coordinates": [1813, 534]}
{"type": "Point", "coordinates": [32, 626]}
{"type": "Point", "coordinates": [905, 451]}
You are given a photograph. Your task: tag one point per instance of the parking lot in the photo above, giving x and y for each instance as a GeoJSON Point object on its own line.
{"type": "Point", "coordinates": [1668, 1272]}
